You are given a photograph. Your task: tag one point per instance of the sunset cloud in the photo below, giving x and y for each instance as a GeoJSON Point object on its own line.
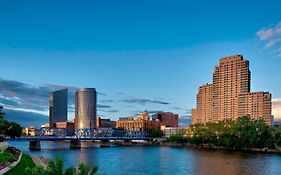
{"type": "Point", "coordinates": [276, 109]}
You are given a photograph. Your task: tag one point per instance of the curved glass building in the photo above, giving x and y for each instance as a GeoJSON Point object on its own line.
{"type": "Point", "coordinates": [85, 108]}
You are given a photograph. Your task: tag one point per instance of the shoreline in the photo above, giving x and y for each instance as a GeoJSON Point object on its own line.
{"type": "Point", "coordinates": [39, 160]}
{"type": "Point", "coordinates": [208, 147]}
{"type": "Point", "coordinates": [211, 147]}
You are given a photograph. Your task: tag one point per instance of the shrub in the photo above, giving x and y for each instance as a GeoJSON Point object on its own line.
{"type": "Point", "coordinates": [56, 167]}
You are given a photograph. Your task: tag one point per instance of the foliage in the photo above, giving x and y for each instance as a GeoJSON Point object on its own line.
{"type": "Point", "coordinates": [56, 167]}
{"type": "Point", "coordinates": [177, 138]}
{"type": "Point", "coordinates": [157, 133]}
{"type": "Point", "coordinates": [14, 130]}
{"type": "Point", "coordinates": [8, 156]}
{"type": "Point", "coordinates": [5, 157]}
{"type": "Point", "coordinates": [242, 133]}
{"type": "Point", "coordinates": [25, 162]}
{"type": "Point", "coordinates": [1, 113]}
{"type": "Point", "coordinates": [11, 129]}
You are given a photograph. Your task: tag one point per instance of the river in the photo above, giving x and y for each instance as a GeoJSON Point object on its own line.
{"type": "Point", "coordinates": [160, 160]}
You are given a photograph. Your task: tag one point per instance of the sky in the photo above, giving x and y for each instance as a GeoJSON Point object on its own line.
{"type": "Point", "coordinates": [139, 55]}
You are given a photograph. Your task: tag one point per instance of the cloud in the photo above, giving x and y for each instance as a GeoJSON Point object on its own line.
{"type": "Point", "coordinates": [107, 101]}
{"type": "Point", "coordinates": [103, 106]}
{"type": "Point", "coordinates": [108, 110]}
{"type": "Point", "coordinates": [144, 101]}
{"type": "Point", "coordinates": [276, 109]}
{"type": "Point", "coordinates": [101, 93]}
{"type": "Point", "coordinates": [25, 118]}
{"type": "Point", "coordinates": [270, 37]}
{"type": "Point", "coordinates": [15, 94]}
{"type": "Point", "coordinates": [11, 101]}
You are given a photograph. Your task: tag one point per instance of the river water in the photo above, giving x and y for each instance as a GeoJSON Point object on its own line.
{"type": "Point", "coordinates": [158, 160]}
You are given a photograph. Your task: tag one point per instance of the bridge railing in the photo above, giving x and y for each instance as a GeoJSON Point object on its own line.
{"type": "Point", "coordinates": [89, 133]}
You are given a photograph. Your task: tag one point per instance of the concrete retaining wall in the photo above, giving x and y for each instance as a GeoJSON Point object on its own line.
{"type": "Point", "coordinates": [3, 146]}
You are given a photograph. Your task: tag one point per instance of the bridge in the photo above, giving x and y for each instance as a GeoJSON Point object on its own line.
{"type": "Point", "coordinates": [75, 137]}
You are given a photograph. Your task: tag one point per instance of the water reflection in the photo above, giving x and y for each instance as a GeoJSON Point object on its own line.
{"type": "Point", "coordinates": [161, 160]}
{"type": "Point", "coordinates": [235, 163]}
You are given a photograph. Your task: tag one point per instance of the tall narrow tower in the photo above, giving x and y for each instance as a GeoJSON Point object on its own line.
{"type": "Point", "coordinates": [58, 107]}
{"type": "Point", "coordinates": [85, 108]}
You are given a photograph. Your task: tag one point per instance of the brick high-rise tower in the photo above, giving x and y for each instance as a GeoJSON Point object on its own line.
{"type": "Point", "coordinates": [229, 96]}
{"type": "Point", "coordinates": [231, 78]}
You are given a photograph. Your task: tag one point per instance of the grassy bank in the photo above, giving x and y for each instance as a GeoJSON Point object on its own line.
{"type": "Point", "coordinates": [26, 161]}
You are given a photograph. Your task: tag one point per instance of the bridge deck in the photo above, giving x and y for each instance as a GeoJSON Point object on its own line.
{"type": "Point", "coordinates": [71, 138]}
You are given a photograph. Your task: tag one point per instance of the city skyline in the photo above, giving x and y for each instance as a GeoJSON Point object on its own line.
{"type": "Point", "coordinates": [151, 60]}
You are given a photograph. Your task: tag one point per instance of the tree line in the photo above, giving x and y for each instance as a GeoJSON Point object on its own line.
{"type": "Point", "coordinates": [241, 133]}
{"type": "Point", "coordinates": [10, 129]}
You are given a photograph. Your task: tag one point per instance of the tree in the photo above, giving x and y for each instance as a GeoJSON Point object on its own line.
{"type": "Point", "coordinates": [14, 130]}
{"type": "Point", "coordinates": [56, 168]}
{"type": "Point", "coordinates": [1, 113]}
{"type": "Point", "coordinates": [157, 133]}
{"type": "Point", "coordinates": [11, 129]}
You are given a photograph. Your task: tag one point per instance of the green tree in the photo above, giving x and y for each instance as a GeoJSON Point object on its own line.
{"type": "Point", "coordinates": [56, 168]}
{"type": "Point", "coordinates": [241, 133]}
{"type": "Point", "coordinates": [157, 133]}
{"type": "Point", "coordinates": [14, 130]}
{"type": "Point", "coordinates": [11, 129]}
{"type": "Point", "coordinates": [70, 171]}
{"type": "Point", "coordinates": [1, 113]}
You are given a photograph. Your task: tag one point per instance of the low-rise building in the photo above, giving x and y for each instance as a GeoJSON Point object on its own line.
{"type": "Point", "coordinates": [29, 131]}
{"type": "Point", "coordinates": [142, 123]}
{"type": "Point", "coordinates": [105, 123]}
{"type": "Point", "coordinates": [169, 131]}
{"type": "Point", "coordinates": [66, 125]}
{"type": "Point", "coordinates": [167, 119]}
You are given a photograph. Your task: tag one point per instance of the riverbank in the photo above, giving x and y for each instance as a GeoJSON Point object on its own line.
{"type": "Point", "coordinates": [19, 161]}
{"type": "Point", "coordinates": [39, 160]}
{"type": "Point", "coordinates": [201, 147]}
{"type": "Point", "coordinates": [24, 161]}
{"type": "Point", "coordinates": [213, 147]}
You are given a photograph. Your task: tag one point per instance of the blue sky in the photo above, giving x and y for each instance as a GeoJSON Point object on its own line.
{"type": "Point", "coordinates": [137, 54]}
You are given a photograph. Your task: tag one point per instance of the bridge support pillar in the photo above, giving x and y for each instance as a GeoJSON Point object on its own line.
{"type": "Point", "coordinates": [127, 142]}
{"type": "Point", "coordinates": [104, 143]}
{"type": "Point", "coordinates": [35, 144]}
{"type": "Point", "coordinates": [75, 144]}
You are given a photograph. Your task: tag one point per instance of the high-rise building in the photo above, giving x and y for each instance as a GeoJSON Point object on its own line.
{"type": "Point", "coordinates": [85, 108]}
{"type": "Point", "coordinates": [58, 107]}
{"type": "Point", "coordinates": [229, 96]}
{"type": "Point", "coordinates": [204, 103]}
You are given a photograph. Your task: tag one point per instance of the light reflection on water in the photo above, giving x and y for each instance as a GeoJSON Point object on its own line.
{"type": "Point", "coordinates": [160, 160]}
